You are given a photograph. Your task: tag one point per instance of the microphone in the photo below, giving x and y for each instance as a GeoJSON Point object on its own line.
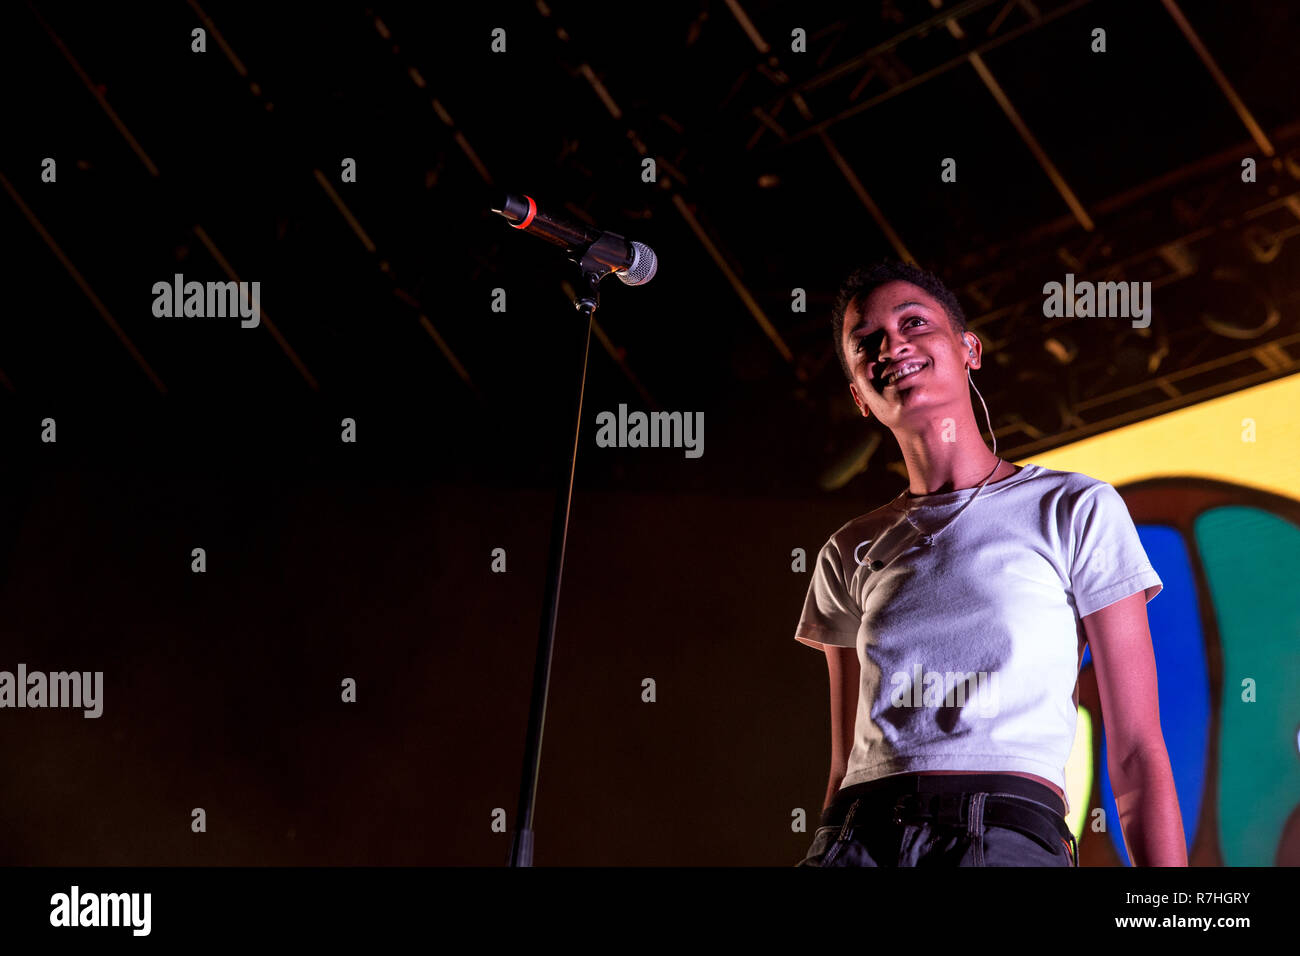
{"type": "Point", "coordinates": [633, 262]}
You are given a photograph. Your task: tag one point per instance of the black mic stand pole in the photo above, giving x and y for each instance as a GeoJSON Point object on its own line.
{"type": "Point", "coordinates": [586, 299]}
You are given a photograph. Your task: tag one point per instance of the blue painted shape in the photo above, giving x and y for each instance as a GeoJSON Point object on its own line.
{"type": "Point", "coordinates": [1178, 641]}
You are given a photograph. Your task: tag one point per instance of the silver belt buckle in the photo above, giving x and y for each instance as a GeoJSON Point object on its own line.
{"type": "Point", "coordinates": [905, 802]}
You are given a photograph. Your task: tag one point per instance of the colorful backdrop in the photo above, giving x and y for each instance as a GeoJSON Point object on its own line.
{"type": "Point", "coordinates": [1215, 493]}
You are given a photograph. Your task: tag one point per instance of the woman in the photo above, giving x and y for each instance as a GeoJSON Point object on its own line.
{"type": "Point", "coordinates": [954, 620]}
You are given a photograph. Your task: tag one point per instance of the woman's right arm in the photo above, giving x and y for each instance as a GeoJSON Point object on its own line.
{"type": "Point", "coordinates": [842, 662]}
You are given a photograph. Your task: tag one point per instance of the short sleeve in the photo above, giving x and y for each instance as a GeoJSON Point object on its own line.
{"type": "Point", "coordinates": [1107, 560]}
{"type": "Point", "coordinates": [830, 615]}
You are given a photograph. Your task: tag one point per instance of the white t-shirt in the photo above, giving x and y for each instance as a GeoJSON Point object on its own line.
{"type": "Point", "coordinates": [969, 649]}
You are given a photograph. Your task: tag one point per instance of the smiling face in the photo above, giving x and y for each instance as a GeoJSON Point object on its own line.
{"type": "Point", "coordinates": [897, 327]}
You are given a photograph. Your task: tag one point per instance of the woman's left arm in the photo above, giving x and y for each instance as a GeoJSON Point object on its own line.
{"type": "Point", "coordinates": [1140, 775]}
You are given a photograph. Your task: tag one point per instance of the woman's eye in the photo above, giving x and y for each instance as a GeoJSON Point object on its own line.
{"type": "Point", "coordinates": [862, 339]}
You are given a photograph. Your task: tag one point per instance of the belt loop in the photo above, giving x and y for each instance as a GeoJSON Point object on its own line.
{"type": "Point", "coordinates": [848, 820]}
{"type": "Point", "coordinates": [975, 823]}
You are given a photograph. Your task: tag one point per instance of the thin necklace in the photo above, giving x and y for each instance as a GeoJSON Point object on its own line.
{"type": "Point", "coordinates": [928, 539]}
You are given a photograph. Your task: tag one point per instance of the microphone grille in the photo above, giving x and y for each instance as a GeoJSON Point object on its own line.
{"type": "Point", "coordinates": [643, 268]}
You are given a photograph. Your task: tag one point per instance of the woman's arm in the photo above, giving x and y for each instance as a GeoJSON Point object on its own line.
{"type": "Point", "coordinates": [845, 673]}
{"type": "Point", "coordinates": [1140, 775]}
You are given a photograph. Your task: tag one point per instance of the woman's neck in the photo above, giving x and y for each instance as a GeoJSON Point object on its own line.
{"type": "Point", "coordinates": [933, 471]}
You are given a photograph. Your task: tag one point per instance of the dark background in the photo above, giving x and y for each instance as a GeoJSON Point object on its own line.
{"type": "Point", "coordinates": [776, 171]}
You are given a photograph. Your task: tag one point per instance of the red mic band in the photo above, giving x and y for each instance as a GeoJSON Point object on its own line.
{"type": "Point", "coordinates": [532, 211]}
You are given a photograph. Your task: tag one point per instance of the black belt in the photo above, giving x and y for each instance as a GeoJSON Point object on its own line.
{"type": "Point", "coordinates": [914, 799]}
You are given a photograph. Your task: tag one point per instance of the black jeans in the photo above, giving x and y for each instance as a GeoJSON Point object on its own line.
{"type": "Point", "coordinates": [925, 820]}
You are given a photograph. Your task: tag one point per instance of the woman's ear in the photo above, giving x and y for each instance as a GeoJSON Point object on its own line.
{"type": "Point", "coordinates": [862, 406]}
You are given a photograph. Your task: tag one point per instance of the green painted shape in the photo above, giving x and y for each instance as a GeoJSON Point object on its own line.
{"type": "Point", "coordinates": [1252, 564]}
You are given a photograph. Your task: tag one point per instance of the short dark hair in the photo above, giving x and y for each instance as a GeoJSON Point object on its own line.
{"type": "Point", "coordinates": [863, 281]}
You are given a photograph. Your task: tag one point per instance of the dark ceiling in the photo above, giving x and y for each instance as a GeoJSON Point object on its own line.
{"type": "Point", "coordinates": [776, 171]}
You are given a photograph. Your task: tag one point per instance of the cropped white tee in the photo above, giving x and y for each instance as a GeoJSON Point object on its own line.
{"type": "Point", "coordinates": [969, 649]}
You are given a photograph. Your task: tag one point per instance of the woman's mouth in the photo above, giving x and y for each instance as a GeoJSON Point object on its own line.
{"type": "Point", "coordinates": [904, 372]}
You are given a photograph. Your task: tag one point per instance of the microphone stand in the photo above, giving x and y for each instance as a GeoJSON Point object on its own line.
{"type": "Point", "coordinates": [594, 264]}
